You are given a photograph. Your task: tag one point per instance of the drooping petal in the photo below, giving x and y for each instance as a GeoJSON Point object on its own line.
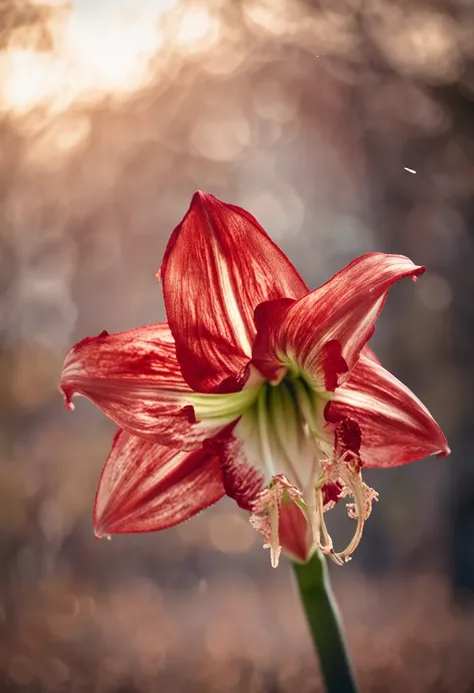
{"type": "Point", "coordinates": [218, 266]}
{"type": "Point", "coordinates": [325, 331]}
{"type": "Point", "coordinates": [145, 487]}
{"type": "Point", "coordinates": [135, 378]}
{"type": "Point", "coordinates": [396, 427]}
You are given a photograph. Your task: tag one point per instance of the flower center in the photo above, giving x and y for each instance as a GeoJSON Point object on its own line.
{"type": "Point", "coordinates": [283, 433]}
{"type": "Point", "coordinates": [282, 428]}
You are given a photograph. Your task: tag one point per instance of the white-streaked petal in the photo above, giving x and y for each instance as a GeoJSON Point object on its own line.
{"type": "Point", "coordinates": [324, 332]}
{"type": "Point", "coordinates": [145, 487]}
{"type": "Point", "coordinates": [135, 378]}
{"type": "Point", "coordinates": [218, 267]}
{"type": "Point", "coordinates": [396, 427]}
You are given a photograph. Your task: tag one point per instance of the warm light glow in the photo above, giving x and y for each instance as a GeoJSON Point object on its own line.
{"type": "Point", "coordinates": [276, 17]}
{"type": "Point", "coordinates": [100, 48]}
{"type": "Point", "coordinates": [28, 78]}
{"type": "Point", "coordinates": [197, 29]}
{"type": "Point", "coordinates": [110, 55]}
{"type": "Point", "coordinates": [59, 141]}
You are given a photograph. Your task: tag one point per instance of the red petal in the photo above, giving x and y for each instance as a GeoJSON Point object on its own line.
{"type": "Point", "coordinates": [294, 533]}
{"type": "Point", "coordinates": [218, 266]}
{"type": "Point", "coordinates": [348, 437]}
{"type": "Point", "coordinates": [145, 487]}
{"type": "Point", "coordinates": [241, 480]}
{"type": "Point", "coordinates": [325, 331]}
{"type": "Point", "coordinates": [266, 349]}
{"type": "Point", "coordinates": [135, 378]}
{"type": "Point", "coordinates": [368, 353]}
{"type": "Point", "coordinates": [331, 492]}
{"type": "Point", "coordinates": [396, 427]}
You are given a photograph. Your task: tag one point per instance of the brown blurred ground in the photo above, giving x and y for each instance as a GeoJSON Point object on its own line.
{"type": "Point", "coordinates": [309, 115]}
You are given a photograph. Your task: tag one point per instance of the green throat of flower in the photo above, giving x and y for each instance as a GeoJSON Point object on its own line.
{"type": "Point", "coordinates": [283, 434]}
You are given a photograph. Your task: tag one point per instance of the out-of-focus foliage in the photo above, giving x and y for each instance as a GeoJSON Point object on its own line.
{"type": "Point", "coordinates": [344, 126]}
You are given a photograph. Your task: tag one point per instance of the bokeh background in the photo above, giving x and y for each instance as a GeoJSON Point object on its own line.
{"type": "Point", "coordinates": [344, 126]}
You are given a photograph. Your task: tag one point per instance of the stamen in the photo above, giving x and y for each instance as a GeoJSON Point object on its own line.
{"type": "Point", "coordinates": [327, 547]}
{"type": "Point", "coordinates": [360, 510]}
{"type": "Point", "coordinates": [274, 543]}
{"type": "Point", "coordinates": [312, 514]}
{"type": "Point", "coordinates": [356, 490]}
{"type": "Point", "coordinates": [347, 473]}
{"type": "Point", "coordinates": [266, 513]}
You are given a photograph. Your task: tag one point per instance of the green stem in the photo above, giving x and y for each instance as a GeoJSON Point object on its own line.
{"type": "Point", "coordinates": [324, 623]}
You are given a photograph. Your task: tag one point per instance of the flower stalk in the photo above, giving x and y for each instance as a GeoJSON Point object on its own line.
{"type": "Point", "coordinates": [324, 623]}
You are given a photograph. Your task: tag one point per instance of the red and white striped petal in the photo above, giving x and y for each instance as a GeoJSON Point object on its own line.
{"type": "Point", "coordinates": [145, 487]}
{"type": "Point", "coordinates": [242, 481]}
{"type": "Point", "coordinates": [368, 353]}
{"type": "Point", "coordinates": [396, 427]}
{"type": "Point", "coordinates": [135, 378]}
{"type": "Point", "coordinates": [325, 331]}
{"type": "Point", "coordinates": [218, 266]}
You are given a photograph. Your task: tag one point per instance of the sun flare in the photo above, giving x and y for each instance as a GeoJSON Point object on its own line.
{"type": "Point", "coordinates": [99, 49]}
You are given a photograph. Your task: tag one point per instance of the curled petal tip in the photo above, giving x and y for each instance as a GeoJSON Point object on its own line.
{"type": "Point", "coordinates": [67, 398]}
{"type": "Point", "coordinates": [200, 195]}
{"type": "Point", "coordinates": [420, 270]}
{"type": "Point", "coordinates": [158, 275]}
{"type": "Point", "coordinates": [445, 451]}
{"type": "Point", "coordinates": [199, 198]}
{"type": "Point", "coordinates": [99, 529]}
{"type": "Point", "coordinates": [99, 534]}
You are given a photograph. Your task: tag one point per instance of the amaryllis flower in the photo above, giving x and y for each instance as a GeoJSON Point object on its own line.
{"type": "Point", "coordinates": [256, 388]}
